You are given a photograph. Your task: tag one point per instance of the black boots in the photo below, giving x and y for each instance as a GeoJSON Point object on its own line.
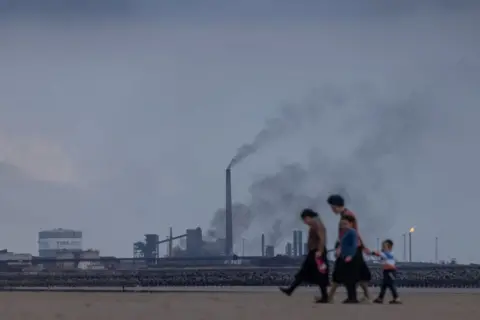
{"type": "Point", "coordinates": [288, 291]}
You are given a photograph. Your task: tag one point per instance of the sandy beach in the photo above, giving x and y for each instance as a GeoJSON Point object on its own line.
{"type": "Point", "coordinates": [232, 305]}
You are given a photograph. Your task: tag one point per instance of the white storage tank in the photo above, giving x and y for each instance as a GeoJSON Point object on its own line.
{"type": "Point", "coordinates": [50, 242]}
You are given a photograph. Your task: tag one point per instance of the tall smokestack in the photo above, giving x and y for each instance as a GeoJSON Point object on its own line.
{"type": "Point", "coordinates": [295, 243]}
{"type": "Point", "coordinates": [170, 243]}
{"type": "Point", "coordinates": [228, 213]}
{"type": "Point", "coordinates": [263, 244]}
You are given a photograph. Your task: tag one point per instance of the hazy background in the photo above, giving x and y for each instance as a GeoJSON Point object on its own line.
{"type": "Point", "coordinates": [119, 118]}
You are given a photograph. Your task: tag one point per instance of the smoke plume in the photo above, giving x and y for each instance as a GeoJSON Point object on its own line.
{"type": "Point", "coordinates": [396, 126]}
{"type": "Point", "coordinates": [290, 118]}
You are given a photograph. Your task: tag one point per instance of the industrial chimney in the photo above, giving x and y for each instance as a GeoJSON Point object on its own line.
{"type": "Point", "coordinates": [228, 214]}
{"type": "Point", "coordinates": [263, 245]}
{"type": "Point", "coordinates": [170, 243]}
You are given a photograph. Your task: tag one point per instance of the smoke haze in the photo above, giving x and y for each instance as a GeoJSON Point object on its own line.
{"type": "Point", "coordinates": [396, 131]}
{"type": "Point", "coordinates": [290, 117]}
{"type": "Point", "coordinates": [118, 117]}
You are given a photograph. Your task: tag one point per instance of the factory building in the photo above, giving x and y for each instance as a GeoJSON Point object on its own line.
{"type": "Point", "coordinates": [10, 261]}
{"type": "Point", "coordinates": [94, 264]}
{"type": "Point", "coordinates": [263, 245]}
{"type": "Point", "coordinates": [194, 242]}
{"type": "Point", "coordinates": [151, 250]}
{"type": "Point", "coordinates": [295, 244]}
{"type": "Point", "coordinates": [52, 242]}
{"type": "Point", "coordinates": [298, 245]}
{"type": "Point", "coordinates": [270, 251]}
{"type": "Point", "coordinates": [194, 246]}
{"type": "Point", "coordinates": [65, 260]}
{"type": "Point", "coordinates": [288, 249]}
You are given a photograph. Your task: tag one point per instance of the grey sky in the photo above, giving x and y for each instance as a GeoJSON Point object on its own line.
{"type": "Point", "coordinates": [119, 118]}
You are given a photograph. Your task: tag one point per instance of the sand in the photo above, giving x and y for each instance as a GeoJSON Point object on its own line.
{"type": "Point", "coordinates": [227, 305]}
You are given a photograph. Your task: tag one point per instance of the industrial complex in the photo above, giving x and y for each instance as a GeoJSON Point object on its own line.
{"type": "Point", "coordinates": [63, 249]}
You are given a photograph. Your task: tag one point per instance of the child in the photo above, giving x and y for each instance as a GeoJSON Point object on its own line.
{"type": "Point", "coordinates": [347, 266]}
{"type": "Point", "coordinates": [389, 272]}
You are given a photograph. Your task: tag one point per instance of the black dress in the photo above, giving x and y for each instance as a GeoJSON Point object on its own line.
{"type": "Point", "coordinates": [337, 271]}
{"type": "Point", "coordinates": [347, 272]}
{"type": "Point", "coordinates": [309, 272]}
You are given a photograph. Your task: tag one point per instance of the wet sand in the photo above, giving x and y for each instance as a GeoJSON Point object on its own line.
{"type": "Point", "coordinates": [190, 305]}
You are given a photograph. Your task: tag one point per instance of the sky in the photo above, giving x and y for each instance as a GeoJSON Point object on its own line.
{"type": "Point", "coordinates": [118, 118]}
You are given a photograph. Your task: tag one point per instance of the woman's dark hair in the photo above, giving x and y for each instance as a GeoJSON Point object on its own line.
{"type": "Point", "coordinates": [349, 218]}
{"type": "Point", "coordinates": [308, 213]}
{"type": "Point", "coordinates": [336, 200]}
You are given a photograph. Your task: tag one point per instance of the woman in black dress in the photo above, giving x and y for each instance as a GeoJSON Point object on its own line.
{"type": "Point", "coordinates": [348, 263]}
{"type": "Point", "coordinates": [337, 204]}
{"type": "Point", "coordinates": [314, 269]}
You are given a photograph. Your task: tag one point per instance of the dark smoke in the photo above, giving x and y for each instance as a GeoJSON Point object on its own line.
{"type": "Point", "coordinates": [276, 233]}
{"type": "Point", "coordinates": [394, 129]}
{"type": "Point", "coordinates": [290, 118]}
{"type": "Point", "coordinates": [242, 216]}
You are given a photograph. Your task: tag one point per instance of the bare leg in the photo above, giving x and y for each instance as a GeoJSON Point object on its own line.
{"type": "Point", "coordinates": [366, 292]}
{"type": "Point", "coordinates": [333, 290]}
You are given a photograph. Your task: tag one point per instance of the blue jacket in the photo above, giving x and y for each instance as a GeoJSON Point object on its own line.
{"type": "Point", "coordinates": [349, 243]}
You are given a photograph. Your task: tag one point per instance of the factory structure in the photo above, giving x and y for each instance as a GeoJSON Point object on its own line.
{"type": "Point", "coordinates": [228, 213]}
{"type": "Point", "coordinates": [196, 246]}
{"type": "Point", "coordinates": [55, 241]}
{"type": "Point", "coordinates": [57, 249]}
{"type": "Point", "coordinates": [297, 247]}
{"type": "Point", "coordinates": [14, 261]}
{"type": "Point", "coordinates": [64, 249]}
{"type": "Point", "coordinates": [65, 246]}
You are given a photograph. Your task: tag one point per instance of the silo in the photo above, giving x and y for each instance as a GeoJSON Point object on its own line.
{"type": "Point", "coordinates": [270, 251]}
{"type": "Point", "coordinates": [300, 243]}
{"type": "Point", "coordinates": [295, 243]}
{"type": "Point", "coordinates": [51, 242]}
{"type": "Point", "coordinates": [288, 249]}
